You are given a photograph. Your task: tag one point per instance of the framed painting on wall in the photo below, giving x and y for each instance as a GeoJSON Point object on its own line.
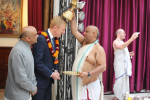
{"type": "Point", "coordinates": [10, 18]}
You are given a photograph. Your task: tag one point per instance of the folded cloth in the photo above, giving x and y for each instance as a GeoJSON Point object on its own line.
{"type": "Point", "coordinates": [91, 91]}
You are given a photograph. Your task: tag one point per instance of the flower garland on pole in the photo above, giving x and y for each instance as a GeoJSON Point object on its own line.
{"type": "Point", "coordinates": [54, 54]}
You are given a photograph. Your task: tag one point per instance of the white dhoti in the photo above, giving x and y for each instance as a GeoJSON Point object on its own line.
{"type": "Point", "coordinates": [121, 86]}
{"type": "Point", "coordinates": [91, 91]}
{"type": "Point", "coordinates": [77, 83]}
{"type": "Point", "coordinates": [123, 69]}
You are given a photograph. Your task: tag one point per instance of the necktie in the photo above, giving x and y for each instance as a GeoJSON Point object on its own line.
{"type": "Point", "coordinates": [53, 44]}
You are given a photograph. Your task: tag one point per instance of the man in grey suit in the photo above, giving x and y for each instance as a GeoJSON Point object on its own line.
{"type": "Point", "coordinates": [21, 81]}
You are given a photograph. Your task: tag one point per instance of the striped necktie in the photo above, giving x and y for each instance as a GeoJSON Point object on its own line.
{"type": "Point", "coordinates": [53, 44]}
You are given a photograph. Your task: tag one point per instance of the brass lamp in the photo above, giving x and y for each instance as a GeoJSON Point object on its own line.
{"type": "Point", "coordinates": [69, 14]}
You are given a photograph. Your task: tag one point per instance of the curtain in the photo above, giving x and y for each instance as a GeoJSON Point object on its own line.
{"type": "Point", "coordinates": [35, 14]}
{"type": "Point", "coordinates": [132, 16]}
{"type": "Point", "coordinates": [47, 13]}
{"type": "Point", "coordinates": [40, 13]}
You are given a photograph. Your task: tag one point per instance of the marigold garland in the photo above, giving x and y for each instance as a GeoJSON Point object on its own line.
{"type": "Point", "coordinates": [54, 54]}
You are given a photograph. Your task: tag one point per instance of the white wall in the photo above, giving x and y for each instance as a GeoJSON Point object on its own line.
{"type": "Point", "coordinates": [10, 42]}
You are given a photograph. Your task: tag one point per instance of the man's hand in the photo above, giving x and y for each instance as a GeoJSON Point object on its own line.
{"type": "Point", "coordinates": [134, 36]}
{"type": "Point", "coordinates": [56, 75]}
{"type": "Point", "coordinates": [132, 53]}
{"type": "Point", "coordinates": [34, 92]}
{"type": "Point", "coordinates": [74, 16]}
{"type": "Point", "coordinates": [83, 75]}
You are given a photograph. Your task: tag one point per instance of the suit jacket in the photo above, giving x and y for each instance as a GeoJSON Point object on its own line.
{"type": "Point", "coordinates": [44, 62]}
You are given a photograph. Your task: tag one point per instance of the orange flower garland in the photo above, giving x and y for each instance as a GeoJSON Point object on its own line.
{"type": "Point", "coordinates": [54, 54]}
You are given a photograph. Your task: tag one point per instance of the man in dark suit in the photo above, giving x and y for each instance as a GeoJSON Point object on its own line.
{"type": "Point", "coordinates": [45, 53]}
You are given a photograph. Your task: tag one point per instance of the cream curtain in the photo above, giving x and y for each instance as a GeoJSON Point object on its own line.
{"type": "Point", "coordinates": [47, 13]}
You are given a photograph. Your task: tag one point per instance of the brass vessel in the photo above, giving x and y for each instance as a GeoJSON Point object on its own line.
{"type": "Point", "coordinates": [69, 14]}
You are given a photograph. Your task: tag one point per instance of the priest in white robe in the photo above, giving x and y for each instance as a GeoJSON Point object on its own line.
{"type": "Point", "coordinates": [122, 64]}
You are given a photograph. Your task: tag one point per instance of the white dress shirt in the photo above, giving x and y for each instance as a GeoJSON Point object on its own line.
{"type": "Point", "coordinates": [51, 36]}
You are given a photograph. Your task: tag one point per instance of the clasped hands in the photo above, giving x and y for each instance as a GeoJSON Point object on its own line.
{"type": "Point", "coordinates": [132, 54]}
{"type": "Point", "coordinates": [34, 92]}
{"type": "Point", "coordinates": [56, 75]}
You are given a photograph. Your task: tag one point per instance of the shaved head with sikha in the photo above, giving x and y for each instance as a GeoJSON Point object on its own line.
{"type": "Point", "coordinates": [94, 29]}
{"type": "Point", "coordinates": [119, 31]}
{"type": "Point", "coordinates": [91, 34]}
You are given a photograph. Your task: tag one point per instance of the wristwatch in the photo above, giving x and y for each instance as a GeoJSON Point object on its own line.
{"type": "Point", "coordinates": [89, 75]}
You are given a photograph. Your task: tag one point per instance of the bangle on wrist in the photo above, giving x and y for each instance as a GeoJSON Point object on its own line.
{"type": "Point", "coordinates": [89, 75]}
{"type": "Point", "coordinates": [73, 18]}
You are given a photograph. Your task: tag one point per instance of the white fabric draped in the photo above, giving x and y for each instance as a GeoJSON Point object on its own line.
{"type": "Point", "coordinates": [93, 90]}
{"type": "Point", "coordinates": [123, 69]}
{"type": "Point", "coordinates": [77, 83]}
{"type": "Point", "coordinates": [122, 63]}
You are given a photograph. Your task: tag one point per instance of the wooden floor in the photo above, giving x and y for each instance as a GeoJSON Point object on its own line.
{"type": "Point", "coordinates": [106, 97]}
{"type": "Point", "coordinates": [2, 94]}
{"type": "Point", "coordinates": [110, 97]}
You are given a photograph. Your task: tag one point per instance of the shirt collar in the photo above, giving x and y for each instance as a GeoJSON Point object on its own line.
{"type": "Point", "coordinates": [27, 44]}
{"type": "Point", "coordinates": [50, 34]}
